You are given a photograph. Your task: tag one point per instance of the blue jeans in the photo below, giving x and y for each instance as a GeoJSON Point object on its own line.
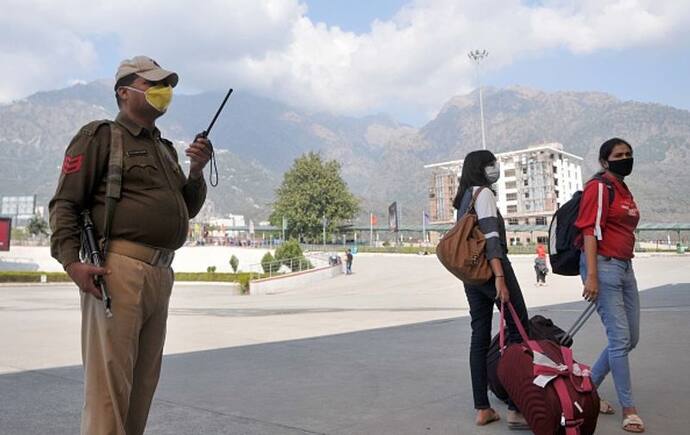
{"type": "Point", "coordinates": [618, 305]}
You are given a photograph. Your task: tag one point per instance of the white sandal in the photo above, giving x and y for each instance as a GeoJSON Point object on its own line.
{"type": "Point", "coordinates": [633, 420]}
{"type": "Point", "coordinates": [606, 408]}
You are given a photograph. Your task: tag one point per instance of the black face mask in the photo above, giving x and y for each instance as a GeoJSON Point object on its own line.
{"type": "Point", "coordinates": [621, 167]}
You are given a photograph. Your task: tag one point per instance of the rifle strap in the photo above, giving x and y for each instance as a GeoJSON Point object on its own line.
{"type": "Point", "coordinates": [113, 189]}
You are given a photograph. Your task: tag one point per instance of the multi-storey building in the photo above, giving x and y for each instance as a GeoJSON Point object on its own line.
{"type": "Point", "coordinates": [534, 182]}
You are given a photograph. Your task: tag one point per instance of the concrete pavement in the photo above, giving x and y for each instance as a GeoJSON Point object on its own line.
{"type": "Point", "coordinates": [384, 351]}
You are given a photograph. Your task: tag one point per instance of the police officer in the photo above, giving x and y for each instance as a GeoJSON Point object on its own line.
{"type": "Point", "coordinates": [122, 354]}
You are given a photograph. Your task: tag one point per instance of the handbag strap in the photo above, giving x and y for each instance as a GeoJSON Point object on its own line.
{"type": "Point", "coordinates": [471, 209]}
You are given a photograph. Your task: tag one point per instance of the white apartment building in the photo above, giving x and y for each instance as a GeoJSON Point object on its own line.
{"type": "Point", "coordinates": [224, 225]}
{"type": "Point", "coordinates": [534, 182]}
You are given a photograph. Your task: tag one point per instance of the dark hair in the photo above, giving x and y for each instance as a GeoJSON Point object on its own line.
{"type": "Point", "coordinates": [473, 172]}
{"type": "Point", "coordinates": [607, 147]}
{"type": "Point", "coordinates": [124, 81]}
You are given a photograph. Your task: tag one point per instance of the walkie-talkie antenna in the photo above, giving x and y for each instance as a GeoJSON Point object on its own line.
{"type": "Point", "coordinates": [214, 166]}
{"type": "Point", "coordinates": [220, 109]}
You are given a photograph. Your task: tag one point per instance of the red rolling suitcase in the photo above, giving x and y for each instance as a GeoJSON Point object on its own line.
{"type": "Point", "coordinates": [553, 392]}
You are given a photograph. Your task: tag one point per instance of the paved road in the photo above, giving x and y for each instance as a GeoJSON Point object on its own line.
{"type": "Point", "coordinates": [407, 376]}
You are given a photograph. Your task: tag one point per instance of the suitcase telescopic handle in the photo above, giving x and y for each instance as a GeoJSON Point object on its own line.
{"type": "Point", "coordinates": [579, 323]}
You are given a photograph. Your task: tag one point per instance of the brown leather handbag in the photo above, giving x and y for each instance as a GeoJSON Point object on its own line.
{"type": "Point", "coordinates": [462, 250]}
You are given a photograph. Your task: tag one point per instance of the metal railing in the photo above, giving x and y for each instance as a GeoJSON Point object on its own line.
{"type": "Point", "coordinates": [286, 266]}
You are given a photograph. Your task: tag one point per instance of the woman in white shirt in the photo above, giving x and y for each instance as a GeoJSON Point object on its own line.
{"type": "Point", "coordinates": [480, 170]}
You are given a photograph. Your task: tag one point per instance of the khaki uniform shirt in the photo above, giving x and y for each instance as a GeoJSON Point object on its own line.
{"type": "Point", "coordinates": [157, 198]}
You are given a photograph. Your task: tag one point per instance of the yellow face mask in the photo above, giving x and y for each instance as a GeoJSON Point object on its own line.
{"type": "Point", "coordinates": [158, 97]}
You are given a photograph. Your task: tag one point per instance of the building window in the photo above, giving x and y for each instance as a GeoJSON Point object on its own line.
{"type": "Point", "coordinates": [541, 220]}
{"type": "Point", "coordinates": [513, 221]}
{"type": "Point", "coordinates": [526, 183]}
{"type": "Point", "coordinates": [510, 172]}
{"type": "Point", "coordinates": [511, 197]}
{"type": "Point", "coordinates": [512, 209]}
{"type": "Point", "coordinates": [511, 185]}
{"type": "Point", "coordinates": [526, 194]}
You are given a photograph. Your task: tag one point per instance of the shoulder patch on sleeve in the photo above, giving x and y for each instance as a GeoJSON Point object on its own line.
{"type": "Point", "coordinates": [72, 164]}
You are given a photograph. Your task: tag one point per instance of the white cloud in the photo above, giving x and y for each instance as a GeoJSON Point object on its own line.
{"type": "Point", "coordinates": [416, 59]}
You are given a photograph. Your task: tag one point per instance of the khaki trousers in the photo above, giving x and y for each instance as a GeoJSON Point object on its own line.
{"type": "Point", "coordinates": [122, 355]}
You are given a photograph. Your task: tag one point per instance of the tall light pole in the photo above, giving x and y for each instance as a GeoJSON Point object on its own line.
{"type": "Point", "coordinates": [477, 56]}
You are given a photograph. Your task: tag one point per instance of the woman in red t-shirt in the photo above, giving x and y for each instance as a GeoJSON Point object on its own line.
{"type": "Point", "coordinates": [607, 220]}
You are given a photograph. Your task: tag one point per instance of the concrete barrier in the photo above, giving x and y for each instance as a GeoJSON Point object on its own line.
{"type": "Point", "coordinates": [293, 281]}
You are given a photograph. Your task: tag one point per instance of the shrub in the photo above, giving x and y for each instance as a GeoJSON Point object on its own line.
{"type": "Point", "coordinates": [290, 254]}
{"type": "Point", "coordinates": [243, 279]}
{"type": "Point", "coordinates": [211, 269]}
{"type": "Point", "coordinates": [234, 263]}
{"type": "Point", "coordinates": [303, 264]}
{"type": "Point", "coordinates": [288, 250]}
{"type": "Point", "coordinates": [269, 264]}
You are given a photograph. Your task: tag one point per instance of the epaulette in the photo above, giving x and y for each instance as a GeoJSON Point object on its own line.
{"type": "Point", "coordinates": [92, 127]}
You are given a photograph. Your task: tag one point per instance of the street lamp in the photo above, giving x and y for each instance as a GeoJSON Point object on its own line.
{"type": "Point", "coordinates": [477, 56]}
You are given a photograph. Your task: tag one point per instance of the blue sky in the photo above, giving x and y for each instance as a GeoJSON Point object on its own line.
{"type": "Point", "coordinates": [355, 16]}
{"type": "Point", "coordinates": [325, 55]}
{"type": "Point", "coordinates": [650, 74]}
{"type": "Point", "coordinates": [657, 74]}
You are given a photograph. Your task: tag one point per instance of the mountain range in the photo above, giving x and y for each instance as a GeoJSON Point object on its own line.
{"type": "Point", "coordinates": [382, 160]}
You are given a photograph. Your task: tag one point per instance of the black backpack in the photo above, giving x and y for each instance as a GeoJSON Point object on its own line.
{"type": "Point", "coordinates": [563, 254]}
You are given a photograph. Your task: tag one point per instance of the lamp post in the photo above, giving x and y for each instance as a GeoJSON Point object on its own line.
{"type": "Point", "coordinates": [477, 56]}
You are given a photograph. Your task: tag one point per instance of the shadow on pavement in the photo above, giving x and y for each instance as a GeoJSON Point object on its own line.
{"type": "Point", "coordinates": [411, 379]}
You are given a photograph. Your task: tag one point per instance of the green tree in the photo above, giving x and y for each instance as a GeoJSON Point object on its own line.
{"type": "Point", "coordinates": [37, 226]}
{"type": "Point", "coordinates": [234, 263]}
{"type": "Point", "coordinates": [311, 190]}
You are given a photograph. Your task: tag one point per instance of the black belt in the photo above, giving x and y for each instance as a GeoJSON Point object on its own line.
{"type": "Point", "coordinates": [157, 257]}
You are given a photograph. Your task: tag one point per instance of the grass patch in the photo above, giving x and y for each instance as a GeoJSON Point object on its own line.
{"type": "Point", "coordinates": [208, 276]}
{"type": "Point", "coordinates": [242, 278]}
{"type": "Point", "coordinates": [34, 277]}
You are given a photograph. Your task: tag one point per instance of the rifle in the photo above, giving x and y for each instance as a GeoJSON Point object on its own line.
{"type": "Point", "coordinates": [205, 133]}
{"type": "Point", "coordinates": [92, 253]}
